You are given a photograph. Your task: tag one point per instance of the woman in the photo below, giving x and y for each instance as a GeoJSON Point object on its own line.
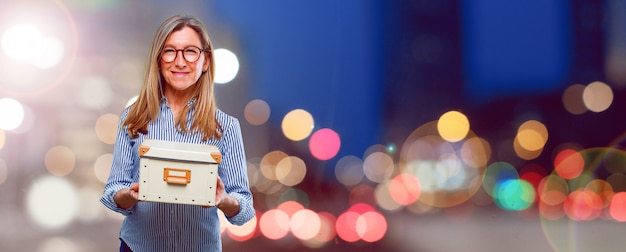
{"type": "Point", "coordinates": [176, 103]}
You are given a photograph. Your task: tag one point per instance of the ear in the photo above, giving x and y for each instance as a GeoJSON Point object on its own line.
{"type": "Point", "coordinates": [207, 62]}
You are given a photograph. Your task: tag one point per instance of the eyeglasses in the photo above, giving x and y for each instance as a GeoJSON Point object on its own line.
{"type": "Point", "coordinates": [190, 54]}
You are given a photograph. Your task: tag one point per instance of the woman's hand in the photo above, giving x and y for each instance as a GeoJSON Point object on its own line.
{"type": "Point", "coordinates": [228, 204]}
{"type": "Point", "coordinates": [127, 197]}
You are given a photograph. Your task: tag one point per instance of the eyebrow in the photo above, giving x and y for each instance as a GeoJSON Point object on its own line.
{"type": "Point", "coordinates": [172, 46]}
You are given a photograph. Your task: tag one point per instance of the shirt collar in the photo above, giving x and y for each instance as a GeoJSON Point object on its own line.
{"type": "Point", "coordinates": [190, 103]}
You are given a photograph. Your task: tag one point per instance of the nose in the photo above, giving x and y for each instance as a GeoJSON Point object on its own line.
{"type": "Point", "coordinates": [180, 61]}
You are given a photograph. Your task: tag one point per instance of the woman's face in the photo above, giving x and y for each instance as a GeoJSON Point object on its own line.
{"type": "Point", "coordinates": [181, 74]}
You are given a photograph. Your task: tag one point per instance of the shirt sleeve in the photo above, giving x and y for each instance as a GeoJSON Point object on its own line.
{"type": "Point", "coordinates": [234, 173]}
{"type": "Point", "coordinates": [123, 168]}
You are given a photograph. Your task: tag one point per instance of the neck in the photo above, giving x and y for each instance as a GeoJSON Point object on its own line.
{"type": "Point", "coordinates": [177, 100]}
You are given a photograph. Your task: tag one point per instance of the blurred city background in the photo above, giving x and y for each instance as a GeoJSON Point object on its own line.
{"type": "Point", "coordinates": [411, 125]}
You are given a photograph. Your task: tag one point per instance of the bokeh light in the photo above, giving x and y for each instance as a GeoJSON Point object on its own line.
{"type": "Point", "coordinates": [326, 231]}
{"type": "Point", "coordinates": [534, 174]}
{"type": "Point", "coordinates": [346, 226]}
{"type": "Point", "coordinates": [269, 163]}
{"type": "Point", "coordinates": [56, 243]}
{"type": "Point", "coordinates": [497, 173]}
{"type": "Point", "coordinates": [257, 112]}
{"type": "Point", "coordinates": [274, 224]}
{"type": "Point", "coordinates": [569, 164]}
{"type": "Point", "coordinates": [603, 189]}
{"type": "Point", "coordinates": [40, 42]}
{"type": "Point", "coordinates": [445, 179]}
{"type": "Point", "coordinates": [532, 135]}
{"type": "Point", "coordinates": [573, 99]}
{"type": "Point", "coordinates": [297, 124]}
{"type": "Point", "coordinates": [453, 126]}
{"type": "Point", "coordinates": [51, 53]}
{"type": "Point", "coordinates": [29, 121]}
{"type": "Point", "coordinates": [22, 42]}
{"type": "Point", "coordinates": [239, 233]}
{"type": "Point", "coordinates": [476, 152]}
{"type": "Point", "coordinates": [106, 128]}
{"type": "Point", "coordinates": [52, 202]}
{"type": "Point", "coordinates": [378, 166]}
{"type": "Point", "coordinates": [553, 190]}
{"type": "Point", "coordinates": [617, 208]}
{"type": "Point", "coordinates": [324, 144]}
{"type": "Point", "coordinates": [383, 197]}
{"type": "Point", "coordinates": [102, 167]}
{"type": "Point", "coordinates": [371, 226]}
{"type": "Point", "coordinates": [60, 160]}
{"type": "Point", "coordinates": [290, 171]}
{"type": "Point", "coordinates": [361, 222]}
{"type": "Point", "coordinates": [226, 65]}
{"type": "Point", "coordinates": [405, 189]}
{"type": "Point", "coordinates": [514, 194]}
{"type": "Point", "coordinates": [11, 114]}
{"type": "Point", "coordinates": [305, 224]}
{"type": "Point", "coordinates": [349, 170]}
{"type": "Point", "coordinates": [582, 205]}
{"type": "Point", "coordinates": [598, 96]}
{"type": "Point", "coordinates": [290, 207]}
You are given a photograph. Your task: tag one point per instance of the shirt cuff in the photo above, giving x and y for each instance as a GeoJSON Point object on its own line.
{"type": "Point", "coordinates": [107, 200]}
{"type": "Point", "coordinates": [246, 210]}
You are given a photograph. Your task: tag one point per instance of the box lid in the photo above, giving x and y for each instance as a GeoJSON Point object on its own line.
{"type": "Point", "coordinates": [180, 151]}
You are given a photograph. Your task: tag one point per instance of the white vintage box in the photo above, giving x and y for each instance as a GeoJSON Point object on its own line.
{"type": "Point", "coordinates": [174, 172]}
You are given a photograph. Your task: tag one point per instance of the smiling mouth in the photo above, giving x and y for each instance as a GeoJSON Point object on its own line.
{"type": "Point", "coordinates": [180, 73]}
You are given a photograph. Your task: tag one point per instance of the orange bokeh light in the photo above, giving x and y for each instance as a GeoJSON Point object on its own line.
{"type": "Point", "coordinates": [569, 164]}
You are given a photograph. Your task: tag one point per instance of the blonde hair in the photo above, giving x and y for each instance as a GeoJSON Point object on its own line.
{"type": "Point", "coordinates": [147, 106]}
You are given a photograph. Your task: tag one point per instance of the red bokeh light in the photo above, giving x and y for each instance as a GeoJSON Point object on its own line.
{"type": "Point", "coordinates": [617, 209]}
{"type": "Point", "coordinates": [274, 224]}
{"type": "Point", "coordinates": [569, 164]}
{"type": "Point", "coordinates": [405, 189]}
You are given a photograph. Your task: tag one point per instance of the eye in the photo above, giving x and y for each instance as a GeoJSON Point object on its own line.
{"type": "Point", "coordinates": [169, 50]}
{"type": "Point", "coordinates": [192, 50]}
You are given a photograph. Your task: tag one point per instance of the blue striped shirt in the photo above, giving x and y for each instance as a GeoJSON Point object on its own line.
{"type": "Point", "coordinates": [150, 226]}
